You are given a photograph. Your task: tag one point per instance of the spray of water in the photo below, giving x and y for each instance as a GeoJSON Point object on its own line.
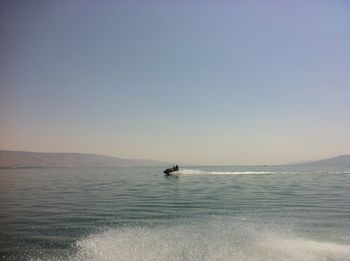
{"type": "Point", "coordinates": [209, 240]}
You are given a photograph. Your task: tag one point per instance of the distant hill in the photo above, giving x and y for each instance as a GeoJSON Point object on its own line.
{"type": "Point", "coordinates": [23, 159]}
{"type": "Point", "coordinates": [342, 160]}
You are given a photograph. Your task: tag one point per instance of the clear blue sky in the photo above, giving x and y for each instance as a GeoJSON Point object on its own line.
{"type": "Point", "coordinates": [204, 82]}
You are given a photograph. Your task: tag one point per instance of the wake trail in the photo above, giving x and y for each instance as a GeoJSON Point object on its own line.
{"type": "Point", "coordinates": [205, 172]}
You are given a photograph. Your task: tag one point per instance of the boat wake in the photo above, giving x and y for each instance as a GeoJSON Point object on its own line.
{"type": "Point", "coordinates": [204, 172]}
{"type": "Point", "coordinates": [211, 240]}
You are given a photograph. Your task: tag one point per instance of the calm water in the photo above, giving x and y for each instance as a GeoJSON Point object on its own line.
{"type": "Point", "coordinates": [207, 213]}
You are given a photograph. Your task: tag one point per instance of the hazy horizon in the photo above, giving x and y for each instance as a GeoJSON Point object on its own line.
{"type": "Point", "coordinates": [184, 164]}
{"type": "Point", "coordinates": [209, 83]}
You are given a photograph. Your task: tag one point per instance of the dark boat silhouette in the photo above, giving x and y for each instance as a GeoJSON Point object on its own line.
{"type": "Point", "coordinates": [169, 171]}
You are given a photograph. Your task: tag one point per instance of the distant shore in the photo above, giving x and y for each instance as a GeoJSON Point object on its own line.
{"type": "Point", "coordinates": [24, 159]}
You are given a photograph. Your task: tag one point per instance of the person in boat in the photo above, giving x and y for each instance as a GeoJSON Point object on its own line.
{"type": "Point", "coordinates": [170, 170]}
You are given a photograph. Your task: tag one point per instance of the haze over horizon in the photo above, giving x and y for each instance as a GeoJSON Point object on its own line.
{"type": "Point", "coordinates": [258, 82]}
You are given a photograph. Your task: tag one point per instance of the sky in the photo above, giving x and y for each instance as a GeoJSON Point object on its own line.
{"type": "Point", "coordinates": [199, 82]}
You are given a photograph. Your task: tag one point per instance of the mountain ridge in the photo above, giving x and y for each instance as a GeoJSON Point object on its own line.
{"type": "Point", "coordinates": [340, 160]}
{"type": "Point", "coordinates": [26, 159]}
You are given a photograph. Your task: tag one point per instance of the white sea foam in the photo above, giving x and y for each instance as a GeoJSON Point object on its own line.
{"type": "Point", "coordinates": [204, 172]}
{"type": "Point", "coordinates": [216, 240]}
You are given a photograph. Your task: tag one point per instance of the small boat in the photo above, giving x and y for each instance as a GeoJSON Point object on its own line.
{"type": "Point", "coordinates": [169, 171]}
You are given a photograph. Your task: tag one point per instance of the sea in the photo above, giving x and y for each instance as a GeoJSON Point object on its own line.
{"type": "Point", "coordinates": [201, 213]}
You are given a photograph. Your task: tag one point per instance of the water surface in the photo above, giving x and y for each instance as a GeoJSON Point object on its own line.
{"type": "Point", "coordinates": [206, 213]}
